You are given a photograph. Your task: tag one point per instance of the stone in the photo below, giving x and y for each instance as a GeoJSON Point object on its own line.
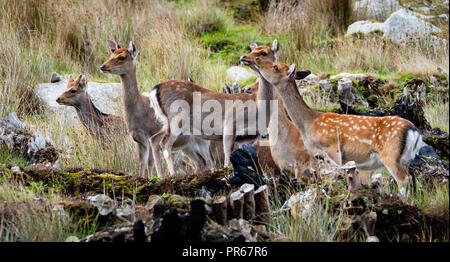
{"type": "Point", "coordinates": [325, 85]}
{"type": "Point", "coordinates": [103, 203]}
{"type": "Point", "coordinates": [55, 78]}
{"type": "Point", "coordinates": [237, 73]}
{"type": "Point", "coordinates": [105, 96]}
{"type": "Point", "coordinates": [345, 89]}
{"type": "Point", "coordinates": [310, 80]}
{"type": "Point", "coordinates": [349, 76]}
{"type": "Point", "coordinates": [16, 169]}
{"type": "Point", "coordinates": [375, 9]}
{"type": "Point", "coordinates": [401, 27]}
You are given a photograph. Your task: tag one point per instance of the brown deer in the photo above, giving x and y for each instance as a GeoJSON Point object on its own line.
{"type": "Point", "coordinates": [286, 144]}
{"type": "Point", "coordinates": [372, 142]}
{"type": "Point", "coordinates": [164, 94]}
{"type": "Point", "coordinates": [167, 93]}
{"type": "Point", "coordinates": [95, 121]}
{"type": "Point", "coordinates": [140, 117]}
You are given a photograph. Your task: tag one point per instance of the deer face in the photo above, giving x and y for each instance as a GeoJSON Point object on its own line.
{"type": "Point", "coordinates": [279, 73]}
{"type": "Point", "coordinates": [261, 52]}
{"type": "Point", "coordinates": [121, 60]}
{"type": "Point", "coordinates": [75, 92]}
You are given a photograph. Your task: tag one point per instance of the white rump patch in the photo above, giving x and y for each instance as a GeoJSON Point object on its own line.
{"type": "Point", "coordinates": [160, 116]}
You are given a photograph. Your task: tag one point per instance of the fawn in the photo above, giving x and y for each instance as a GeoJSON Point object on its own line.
{"type": "Point", "coordinates": [372, 142]}
{"type": "Point", "coordinates": [95, 121]}
{"type": "Point", "coordinates": [140, 117]}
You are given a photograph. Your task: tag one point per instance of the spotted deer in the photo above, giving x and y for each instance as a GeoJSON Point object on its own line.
{"type": "Point", "coordinates": [140, 117]}
{"type": "Point", "coordinates": [95, 121]}
{"type": "Point", "coordinates": [372, 142]}
{"type": "Point", "coordinates": [286, 143]}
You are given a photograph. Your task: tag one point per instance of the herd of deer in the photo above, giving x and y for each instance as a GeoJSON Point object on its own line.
{"type": "Point", "coordinates": [301, 133]}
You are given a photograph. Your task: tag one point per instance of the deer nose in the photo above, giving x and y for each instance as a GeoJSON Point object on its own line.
{"type": "Point", "coordinates": [256, 58]}
{"type": "Point", "coordinates": [242, 57]}
{"type": "Point", "coordinates": [102, 67]}
{"type": "Point", "coordinates": [58, 100]}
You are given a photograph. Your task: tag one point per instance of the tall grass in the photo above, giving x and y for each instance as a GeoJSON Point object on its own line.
{"type": "Point", "coordinates": [314, 39]}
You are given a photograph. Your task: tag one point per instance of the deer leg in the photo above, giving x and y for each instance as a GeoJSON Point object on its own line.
{"type": "Point", "coordinates": [155, 145]}
{"type": "Point", "coordinates": [400, 173]}
{"type": "Point", "coordinates": [167, 144]}
{"type": "Point", "coordinates": [150, 160]}
{"type": "Point", "coordinates": [228, 141]}
{"type": "Point", "coordinates": [365, 176]}
{"type": "Point", "coordinates": [143, 148]}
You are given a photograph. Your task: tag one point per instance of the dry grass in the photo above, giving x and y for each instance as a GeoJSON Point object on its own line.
{"type": "Point", "coordinates": [26, 214]}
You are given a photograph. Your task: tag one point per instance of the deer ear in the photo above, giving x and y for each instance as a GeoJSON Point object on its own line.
{"type": "Point", "coordinates": [302, 74]}
{"type": "Point", "coordinates": [113, 46]}
{"type": "Point", "coordinates": [252, 45]}
{"type": "Point", "coordinates": [132, 49]}
{"type": "Point", "coordinates": [291, 73]}
{"type": "Point", "coordinates": [83, 81]}
{"type": "Point", "coordinates": [275, 48]}
{"type": "Point", "coordinates": [70, 79]}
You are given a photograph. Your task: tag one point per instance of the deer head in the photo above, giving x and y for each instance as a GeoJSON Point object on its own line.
{"type": "Point", "coordinates": [121, 61]}
{"type": "Point", "coordinates": [75, 92]}
{"type": "Point", "coordinates": [262, 52]}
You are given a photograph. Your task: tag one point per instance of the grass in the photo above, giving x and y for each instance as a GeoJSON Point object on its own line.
{"type": "Point", "coordinates": [181, 39]}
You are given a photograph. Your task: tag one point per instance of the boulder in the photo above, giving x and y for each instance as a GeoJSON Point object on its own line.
{"type": "Point", "coordinates": [105, 96]}
{"type": "Point", "coordinates": [345, 89]}
{"type": "Point", "coordinates": [377, 10]}
{"type": "Point", "coordinates": [401, 27]}
{"type": "Point", "coordinates": [349, 76]}
{"type": "Point", "coordinates": [237, 73]}
{"type": "Point", "coordinates": [325, 85]}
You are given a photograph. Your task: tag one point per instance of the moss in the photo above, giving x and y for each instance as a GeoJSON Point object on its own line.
{"type": "Point", "coordinates": [231, 43]}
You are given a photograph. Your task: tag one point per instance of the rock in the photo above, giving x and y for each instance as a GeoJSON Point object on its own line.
{"type": "Point", "coordinates": [105, 96]}
{"type": "Point", "coordinates": [364, 27]}
{"type": "Point", "coordinates": [55, 78]}
{"type": "Point", "coordinates": [345, 89]}
{"type": "Point", "coordinates": [349, 76]}
{"type": "Point", "coordinates": [309, 80]}
{"type": "Point", "coordinates": [35, 148]}
{"type": "Point", "coordinates": [237, 73]}
{"type": "Point", "coordinates": [103, 203]}
{"type": "Point", "coordinates": [72, 239]}
{"type": "Point", "coordinates": [375, 9]}
{"type": "Point", "coordinates": [325, 85]}
{"type": "Point", "coordinates": [401, 27]}
{"type": "Point", "coordinates": [16, 169]}
{"type": "Point", "coordinates": [246, 166]}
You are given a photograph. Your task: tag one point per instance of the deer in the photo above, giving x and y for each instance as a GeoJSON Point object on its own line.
{"type": "Point", "coordinates": [166, 93]}
{"type": "Point", "coordinates": [286, 143]}
{"type": "Point", "coordinates": [372, 142]}
{"type": "Point", "coordinates": [96, 122]}
{"type": "Point", "coordinates": [141, 119]}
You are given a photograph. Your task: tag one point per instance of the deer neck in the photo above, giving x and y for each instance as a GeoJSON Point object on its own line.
{"type": "Point", "coordinates": [300, 113]}
{"type": "Point", "coordinates": [264, 97]}
{"type": "Point", "coordinates": [89, 115]}
{"type": "Point", "coordinates": [130, 92]}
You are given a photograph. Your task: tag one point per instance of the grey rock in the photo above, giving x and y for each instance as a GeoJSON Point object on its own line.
{"type": "Point", "coordinates": [55, 78]}
{"type": "Point", "coordinates": [325, 85]}
{"type": "Point", "coordinates": [375, 9]}
{"type": "Point", "coordinates": [345, 89]}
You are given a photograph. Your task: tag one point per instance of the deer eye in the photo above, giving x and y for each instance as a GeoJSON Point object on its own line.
{"type": "Point", "coordinates": [263, 53]}
{"type": "Point", "coordinates": [121, 58]}
{"type": "Point", "coordinates": [276, 68]}
{"type": "Point", "coordinates": [73, 91]}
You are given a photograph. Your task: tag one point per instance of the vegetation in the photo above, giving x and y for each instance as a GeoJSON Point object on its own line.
{"type": "Point", "coordinates": [181, 39]}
